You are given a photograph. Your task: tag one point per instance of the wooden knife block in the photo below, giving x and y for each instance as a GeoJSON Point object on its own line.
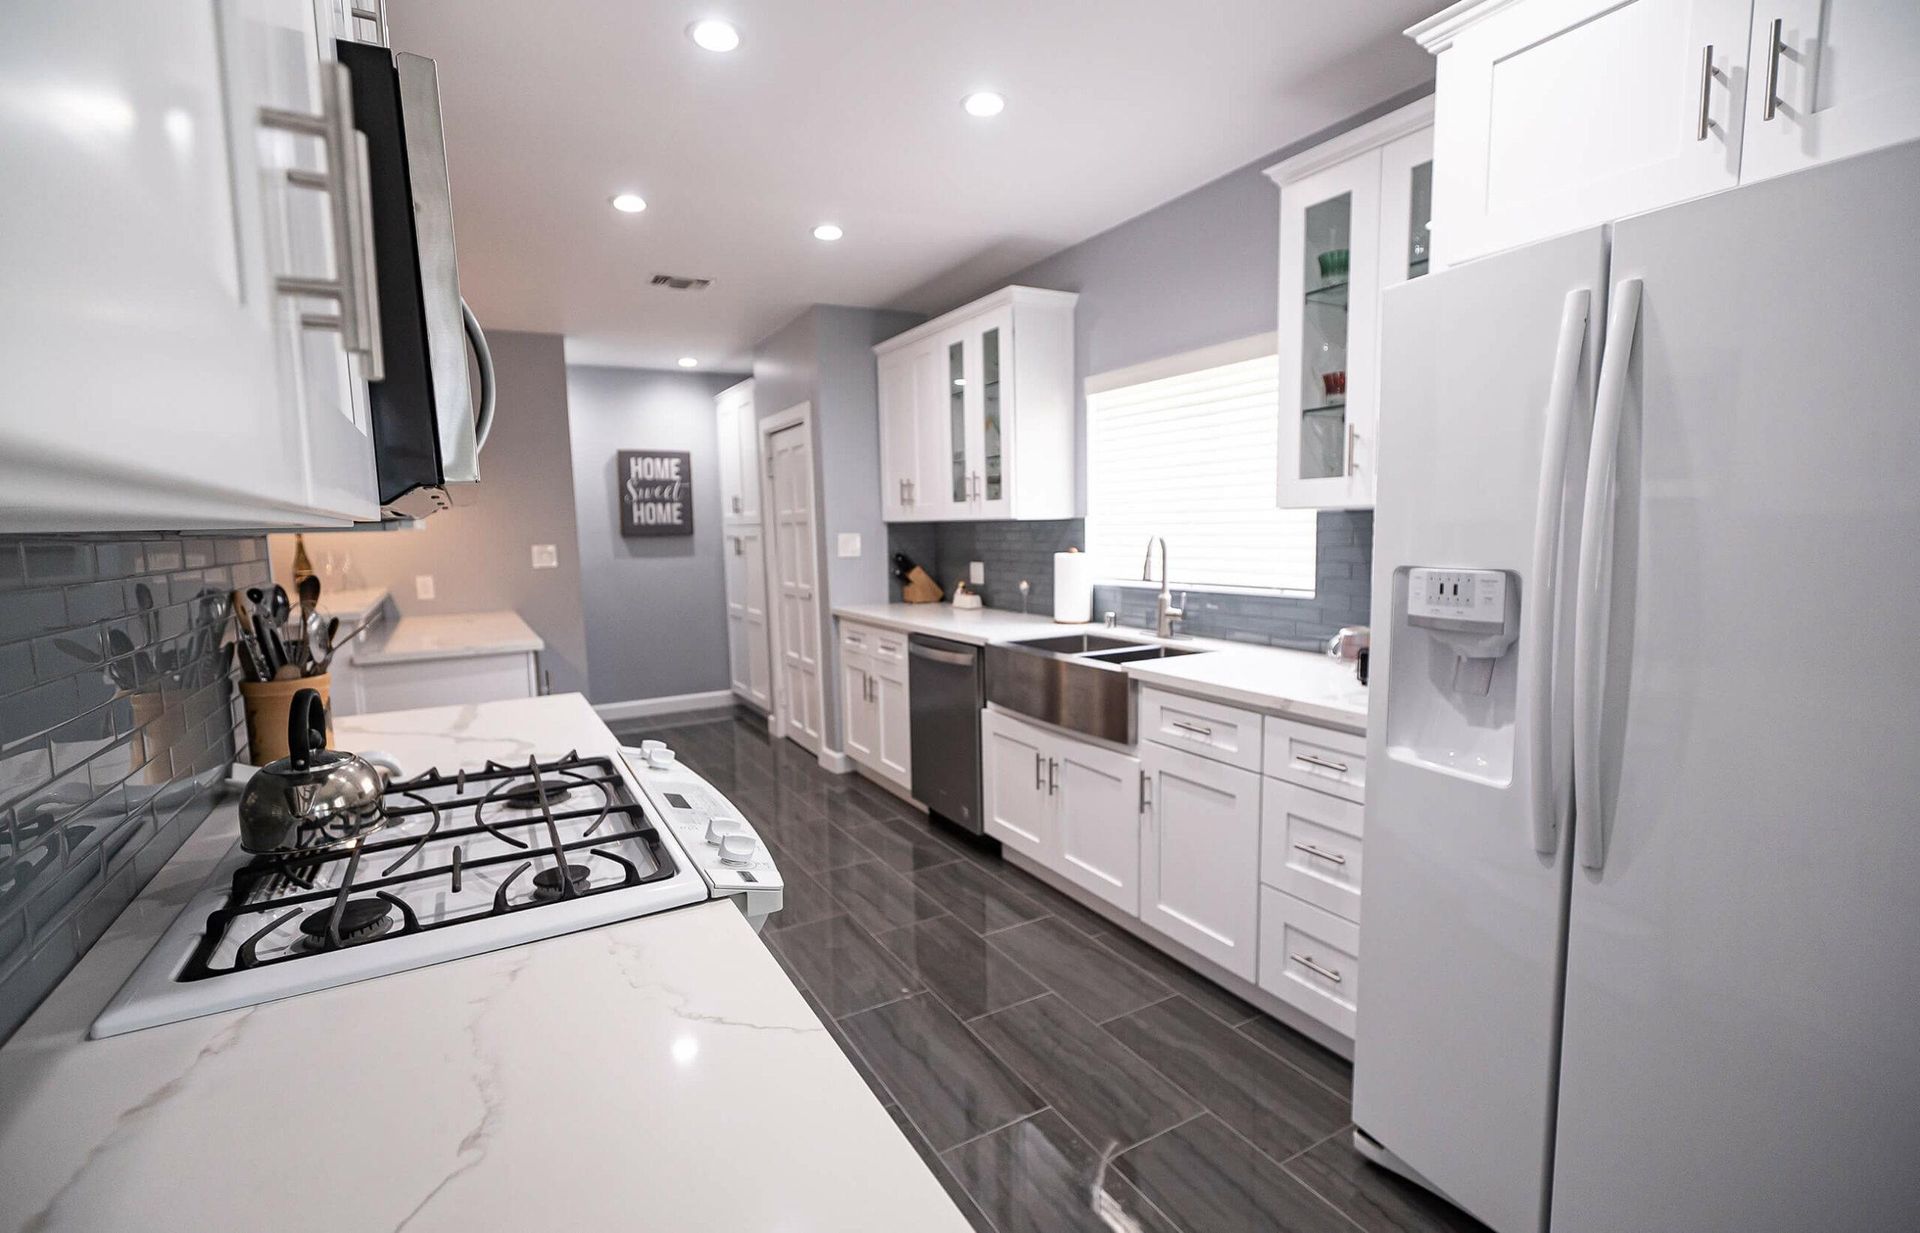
{"type": "Point", "coordinates": [920, 589]}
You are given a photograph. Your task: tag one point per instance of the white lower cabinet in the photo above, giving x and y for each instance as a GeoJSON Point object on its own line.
{"type": "Point", "coordinates": [1309, 958]}
{"type": "Point", "coordinates": [1200, 855]}
{"type": "Point", "coordinates": [873, 689]}
{"type": "Point", "coordinates": [1310, 846]}
{"type": "Point", "coordinates": [1069, 804]}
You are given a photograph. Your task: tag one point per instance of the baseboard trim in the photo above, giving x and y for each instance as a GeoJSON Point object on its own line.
{"type": "Point", "coordinates": [835, 762]}
{"type": "Point", "coordinates": [671, 704]}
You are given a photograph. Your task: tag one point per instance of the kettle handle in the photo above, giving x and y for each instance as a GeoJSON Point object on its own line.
{"type": "Point", "coordinates": [306, 728]}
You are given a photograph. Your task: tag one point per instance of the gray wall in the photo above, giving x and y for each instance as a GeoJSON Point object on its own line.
{"type": "Point", "coordinates": [652, 606]}
{"type": "Point", "coordinates": [824, 357]}
{"type": "Point", "coordinates": [480, 553]}
{"type": "Point", "coordinates": [101, 779]}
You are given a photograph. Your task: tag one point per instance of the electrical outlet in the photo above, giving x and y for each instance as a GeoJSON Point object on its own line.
{"type": "Point", "coordinates": [977, 573]}
{"type": "Point", "coordinates": [546, 556]}
{"type": "Point", "coordinates": [423, 586]}
{"type": "Point", "coordinates": [849, 543]}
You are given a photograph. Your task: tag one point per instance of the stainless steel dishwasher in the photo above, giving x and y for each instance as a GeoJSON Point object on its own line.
{"type": "Point", "coordinates": [947, 687]}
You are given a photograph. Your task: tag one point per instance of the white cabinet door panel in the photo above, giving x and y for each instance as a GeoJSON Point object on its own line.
{"type": "Point", "coordinates": [1557, 114]}
{"type": "Point", "coordinates": [1200, 855]}
{"type": "Point", "coordinates": [1015, 786]}
{"type": "Point", "coordinates": [1845, 82]}
{"type": "Point", "coordinates": [1097, 811]}
{"type": "Point", "coordinates": [894, 752]}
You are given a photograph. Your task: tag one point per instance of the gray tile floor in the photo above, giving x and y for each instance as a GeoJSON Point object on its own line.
{"type": "Point", "coordinates": [1054, 1072]}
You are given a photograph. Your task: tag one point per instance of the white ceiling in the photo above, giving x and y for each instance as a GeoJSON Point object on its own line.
{"type": "Point", "coordinates": [849, 111]}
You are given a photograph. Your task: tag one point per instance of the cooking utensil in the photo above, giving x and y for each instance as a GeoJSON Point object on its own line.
{"type": "Point", "coordinates": [315, 798]}
{"type": "Point", "coordinates": [253, 655]}
{"type": "Point", "coordinates": [309, 588]}
{"type": "Point", "coordinates": [280, 606]}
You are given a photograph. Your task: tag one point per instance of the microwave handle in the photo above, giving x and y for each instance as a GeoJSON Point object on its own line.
{"type": "Point", "coordinates": [483, 358]}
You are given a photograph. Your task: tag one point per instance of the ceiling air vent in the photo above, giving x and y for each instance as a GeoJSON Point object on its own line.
{"type": "Point", "coordinates": [676, 282]}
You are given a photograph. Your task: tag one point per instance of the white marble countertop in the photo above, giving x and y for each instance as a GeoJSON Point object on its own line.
{"type": "Point", "coordinates": [1302, 684]}
{"type": "Point", "coordinates": [661, 1073]}
{"type": "Point", "coordinates": [456, 636]}
{"type": "Point", "coordinates": [352, 604]}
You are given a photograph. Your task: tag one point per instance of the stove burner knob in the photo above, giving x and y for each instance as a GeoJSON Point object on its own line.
{"type": "Point", "coordinates": [737, 850]}
{"type": "Point", "coordinates": [719, 828]}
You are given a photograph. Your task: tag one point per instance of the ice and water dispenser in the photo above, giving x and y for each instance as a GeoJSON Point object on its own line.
{"type": "Point", "coordinates": [1454, 670]}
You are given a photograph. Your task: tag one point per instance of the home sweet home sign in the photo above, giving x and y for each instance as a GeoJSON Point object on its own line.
{"type": "Point", "coordinates": [656, 492]}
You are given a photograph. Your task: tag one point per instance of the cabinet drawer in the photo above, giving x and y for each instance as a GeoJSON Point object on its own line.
{"type": "Point", "coordinates": [1310, 846]}
{"type": "Point", "coordinates": [1318, 758]}
{"type": "Point", "coordinates": [1309, 958]}
{"type": "Point", "coordinates": [1223, 733]}
{"type": "Point", "coordinates": [857, 638]}
{"type": "Point", "coordinates": [888, 650]}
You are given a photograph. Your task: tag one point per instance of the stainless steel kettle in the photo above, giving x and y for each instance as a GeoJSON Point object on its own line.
{"type": "Point", "coordinates": [315, 798]}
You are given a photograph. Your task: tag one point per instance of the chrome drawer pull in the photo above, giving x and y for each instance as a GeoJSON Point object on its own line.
{"type": "Point", "coordinates": [1326, 764]}
{"type": "Point", "coordinates": [1199, 730]}
{"type": "Point", "coordinates": [1772, 88]}
{"type": "Point", "coordinates": [1039, 777]}
{"type": "Point", "coordinates": [1324, 855]}
{"type": "Point", "coordinates": [1306, 961]}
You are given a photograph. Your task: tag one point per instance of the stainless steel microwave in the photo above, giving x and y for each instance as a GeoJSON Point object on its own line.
{"type": "Point", "coordinates": [428, 426]}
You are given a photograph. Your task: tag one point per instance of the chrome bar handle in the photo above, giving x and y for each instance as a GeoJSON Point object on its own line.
{"type": "Point", "coordinates": [1321, 853]}
{"type": "Point", "coordinates": [1053, 783]}
{"type": "Point", "coordinates": [1352, 432]}
{"type": "Point", "coordinates": [1199, 730]}
{"type": "Point", "coordinates": [1039, 777]}
{"type": "Point", "coordinates": [1306, 961]}
{"type": "Point", "coordinates": [1146, 792]}
{"type": "Point", "coordinates": [1773, 71]}
{"type": "Point", "coordinates": [358, 189]}
{"type": "Point", "coordinates": [1706, 93]}
{"type": "Point", "coordinates": [1325, 764]}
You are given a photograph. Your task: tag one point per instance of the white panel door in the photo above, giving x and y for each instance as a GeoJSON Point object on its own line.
{"type": "Point", "coordinates": [899, 435]}
{"type": "Point", "coordinates": [1097, 810]}
{"type": "Point", "coordinates": [1845, 76]}
{"type": "Point", "coordinates": [746, 433]}
{"type": "Point", "coordinates": [929, 496]}
{"type": "Point", "coordinates": [738, 665]}
{"type": "Point", "coordinates": [800, 702]}
{"type": "Point", "coordinates": [1200, 856]}
{"type": "Point", "coordinates": [1559, 114]}
{"type": "Point", "coordinates": [1454, 1040]}
{"type": "Point", "coordinates": [759, 679]}
{"type": "Point", "coordinates": [140, 363]}
{"type": "Point", "coordinates": [1742, 1038]}
{"type": "Point", "coordinates": [1014, 782]}
{"type": "Point", "coordinates": [726, 425]}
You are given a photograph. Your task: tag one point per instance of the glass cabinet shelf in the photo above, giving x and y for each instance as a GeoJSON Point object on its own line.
{"type": "Point", "coordinates": [1330, 295]}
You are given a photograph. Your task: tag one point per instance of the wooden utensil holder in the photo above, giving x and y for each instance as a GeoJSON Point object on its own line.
{"type": "Point", "coordinates": [267, 704]}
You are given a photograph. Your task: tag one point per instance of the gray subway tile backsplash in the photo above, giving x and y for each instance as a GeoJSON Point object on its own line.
{"type": "Point", "coordinates": [1011, 551]}
{"type": "Point", "coordinates": [117, 725]}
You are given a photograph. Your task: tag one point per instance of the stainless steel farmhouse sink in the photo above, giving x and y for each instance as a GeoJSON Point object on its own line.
{"type": "Point", "coordinates": [1077, 681]}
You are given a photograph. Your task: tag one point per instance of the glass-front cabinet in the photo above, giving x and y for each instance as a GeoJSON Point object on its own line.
{"type": "Point", "coordinates": [1354, 220]}
{"type": "Point", "coordinates": [949, 440]}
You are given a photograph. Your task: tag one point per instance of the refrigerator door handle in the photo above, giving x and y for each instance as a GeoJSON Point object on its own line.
{"type": "Point", "coordinates": [1590, 595]}
{"type": "Point", "coordinates": [1542, 742]}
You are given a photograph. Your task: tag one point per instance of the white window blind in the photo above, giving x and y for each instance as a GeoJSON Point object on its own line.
{"type": "Point", "coordinates": [1194, 458]}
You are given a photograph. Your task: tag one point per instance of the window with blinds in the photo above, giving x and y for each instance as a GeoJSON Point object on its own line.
{"type": "Point", "coordinates": [1193, 457]}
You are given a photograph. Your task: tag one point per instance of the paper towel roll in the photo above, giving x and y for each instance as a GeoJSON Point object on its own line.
{"type": "Point", "coordinates": [1072, 587]}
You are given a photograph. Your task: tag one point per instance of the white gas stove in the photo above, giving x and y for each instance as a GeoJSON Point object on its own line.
{"type": "Point", "coordinates": [470, 862]}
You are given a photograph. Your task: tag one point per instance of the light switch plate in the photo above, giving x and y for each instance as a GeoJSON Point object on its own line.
{"type": "Point", "coordinates": [977, 573]}
{"type": "Point", "coordinates": [849, 543]}
{"type": "Point", "coordinates": [546, 556]}
{"type": "Point", "coordinates": [423, 586]}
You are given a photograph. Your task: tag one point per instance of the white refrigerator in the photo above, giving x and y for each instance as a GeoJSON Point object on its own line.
{"type": "Point", "coordinates": [1642, 932]}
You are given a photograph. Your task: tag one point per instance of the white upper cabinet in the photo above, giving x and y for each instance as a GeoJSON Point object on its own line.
{"type": "Point", "coordinates": [1558, 114]}
{"type": "Point", "coordinates": [156, 375]}
{"type": "Point", "coordinates": [977, 412]}
{"type": "Point", "coordinates": [1353, 220]}
{"type": "Point", "coordinates": [738, 434]}
{"type": "Point", "coordinates": [1845, 79]}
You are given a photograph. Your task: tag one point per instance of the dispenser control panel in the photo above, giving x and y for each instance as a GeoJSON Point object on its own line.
{"type": "Point", "coordinates": [1460, 600]}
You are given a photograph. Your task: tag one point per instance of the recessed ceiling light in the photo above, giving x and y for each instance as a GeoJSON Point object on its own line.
{"type": "Point", "coordinates": [714, 35]}
{"type": "Point", "coordinates": [984, 103]}
{"type": "Point", "coordinates": [687, 361]}
{"type": "Point", "coordinates": [827, 231]}
{"type": "Point", "coordinates": [629, 203]}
